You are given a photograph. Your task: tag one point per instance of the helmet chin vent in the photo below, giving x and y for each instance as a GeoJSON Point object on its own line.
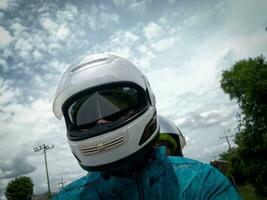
{"type": "Point", "coordinates": [104, 146]}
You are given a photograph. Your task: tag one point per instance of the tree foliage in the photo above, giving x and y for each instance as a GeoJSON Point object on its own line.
{"type": "Point", "coordinates": [236, 168]}
{"type": "Point", "coordinates": [19, 189]}
{"type": "Point", "coordinates": [246, 82]}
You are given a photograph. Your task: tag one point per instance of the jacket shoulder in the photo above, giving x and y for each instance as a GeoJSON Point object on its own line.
{"type": "Point", "coordinates": [183, 160]}
{"type": "Point", "coordinates": [75, 190]}
{"type": "Point", "coordinates": [202, 179]}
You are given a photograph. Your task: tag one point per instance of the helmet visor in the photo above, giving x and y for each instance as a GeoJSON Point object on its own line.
{"type": "Point", "coordinates": [167, 126]}
{"type": "Point", "coordinates": [99, 110]}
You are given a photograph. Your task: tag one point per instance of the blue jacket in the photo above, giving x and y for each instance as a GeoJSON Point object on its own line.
{"type": "Point", "coordinates": [163, 178]}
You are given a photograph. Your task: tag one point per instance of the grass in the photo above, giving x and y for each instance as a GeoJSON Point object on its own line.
{"type": "Point", "coordinates": [247, 193]}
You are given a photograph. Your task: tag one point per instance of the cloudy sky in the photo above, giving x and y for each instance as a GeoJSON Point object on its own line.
{"type": "Point", "coordinates": [182, 46]}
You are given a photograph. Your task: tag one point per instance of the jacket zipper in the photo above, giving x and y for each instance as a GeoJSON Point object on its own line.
{"type": "Point", "coordinates": [140, 187]}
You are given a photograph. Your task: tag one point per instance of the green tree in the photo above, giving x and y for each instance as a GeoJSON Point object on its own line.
{"type": "Point", "coordinates": [236, 169]}
{"type": "Point", "coordinates": [21, 188]}
{"type": "Point", "coordinates": [246, 82]}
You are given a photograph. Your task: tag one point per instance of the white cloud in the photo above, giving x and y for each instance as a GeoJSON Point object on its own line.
{"type": "Point", "coordinates": [122, 43]}
{"type": "Point", "coordinates": [153, 30]}
{"type": "Point", "coordinates": [59, 66]}
{"type": "Point", "coordinates": [7, 93]}
{"type": "Point", "coordinates": [191, 21]}
{"type": "Point", "coordinates": [24, 45]}
{"type": "Point", "coordinates": [28, 126]}
{"type": "Point", "coordinates": [245, 28]}
{"type": "Point", "coordinates": [124, 52]}
{"type": "Point", "coordinates": [124, 37]}
{"type": "Point", "coordinates": [3, 65]}
{"type": "Point", "coordinates": [144, 62]}
{"type": "Point", "coordinates": [37, 55]}
{"type": "Point", "coordinates": [100, 18]}
{"type": "Point", "coordinates": [24, 125]}
{"type": "Point", "coordinates": [5, 37]}
{"type": "Point", "coordinates": [197, 76]}
{"type": "Point", "coordinates": [136, 6]}
{"type": "Point", "coordinates": [68, 18]}
{"type": "Point", "coordinates": [38, 111]}
{"type": "Point", "coordinates": [207, 116]}
{"type": "Point", "coordinates": [142, 42]}
{"type": "Point", "coordinates": [49, 24]}
{"type": "Point", "coordinates": [4, 4]}
{"type": "Point", "coordinates": [205, 144]}
{"type": "Point", "coordinates": [246, 18]}
{"type": "Point", "coordinates": [171, 1]}
{"type": "Point", "coordinates": [15, 167]}
{"type": "Point", "coordinates": [164, 44]}
{"type": "Point", "coordinates": [17, 27]}
{"type": "Point", "coordinates": [67, 14]}
{"type": "Point", "coordinates": [63, 32]}
{"type": "Point", "coordinates": [249, 46]}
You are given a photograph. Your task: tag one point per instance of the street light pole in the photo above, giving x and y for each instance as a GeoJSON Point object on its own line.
{"type": "Point", "coordinates": [45, 148]}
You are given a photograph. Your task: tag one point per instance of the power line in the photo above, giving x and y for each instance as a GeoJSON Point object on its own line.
{"type": "Point", "coordinates": [45, 148]}
{"type": "Point", "coordinates": [227, 138]}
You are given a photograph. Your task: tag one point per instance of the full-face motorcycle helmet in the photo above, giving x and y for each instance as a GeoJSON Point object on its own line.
{"type": "Point", "coordinates": [109, 110]}
{"type": "Point", "coordinates": [171, 136]}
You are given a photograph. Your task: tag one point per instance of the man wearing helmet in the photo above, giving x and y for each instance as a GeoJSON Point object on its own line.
{"type": "Point", "coordinates": [112, 127]}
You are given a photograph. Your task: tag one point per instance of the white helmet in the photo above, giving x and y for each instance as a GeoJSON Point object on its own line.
{"type": "Point", "coordinates": [109, 109]}
{"type": "Point", "coordinates": [168, 127]}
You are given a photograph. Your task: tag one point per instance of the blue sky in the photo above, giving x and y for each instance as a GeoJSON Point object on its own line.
{"type": "Point", "coordinates": [182, 46]}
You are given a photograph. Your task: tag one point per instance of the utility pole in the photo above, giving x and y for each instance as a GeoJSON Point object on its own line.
{"type": "Point", "coordinates": [45, 148]}
{"type": "Point", "coordinates": [62, 182]}
{"type": "Point", "coordinates": [226, 137]}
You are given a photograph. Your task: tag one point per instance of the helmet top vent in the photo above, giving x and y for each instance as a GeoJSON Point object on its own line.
{"type": "Point", "coordinates": [89, 63]}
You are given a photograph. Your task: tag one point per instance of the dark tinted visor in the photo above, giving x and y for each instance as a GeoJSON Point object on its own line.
{"type": "Point", "coordinates": [106, 106]}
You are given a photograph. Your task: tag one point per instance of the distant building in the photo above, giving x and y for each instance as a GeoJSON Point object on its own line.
{"type": "Point", "coordinates": [221, 165]}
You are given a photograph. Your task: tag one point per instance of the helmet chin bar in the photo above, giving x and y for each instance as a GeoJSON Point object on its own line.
{"type": "Point", "coordinates": [118, 144]}
{"type": "Point", "coordinates": [127, 166]}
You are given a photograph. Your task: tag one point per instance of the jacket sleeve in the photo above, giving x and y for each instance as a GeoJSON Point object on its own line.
{"type": "Point", "coordinates": [216, 186]}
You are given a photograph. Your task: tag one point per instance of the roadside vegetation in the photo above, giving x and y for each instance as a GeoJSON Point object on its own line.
{"type": "Point", "coordinates": [246, 83]}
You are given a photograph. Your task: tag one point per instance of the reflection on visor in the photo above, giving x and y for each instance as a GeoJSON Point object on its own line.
{"type": "Point", "coordinates": [109, 104]}
{"type": "Point", "coordinates": [167, 126]}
